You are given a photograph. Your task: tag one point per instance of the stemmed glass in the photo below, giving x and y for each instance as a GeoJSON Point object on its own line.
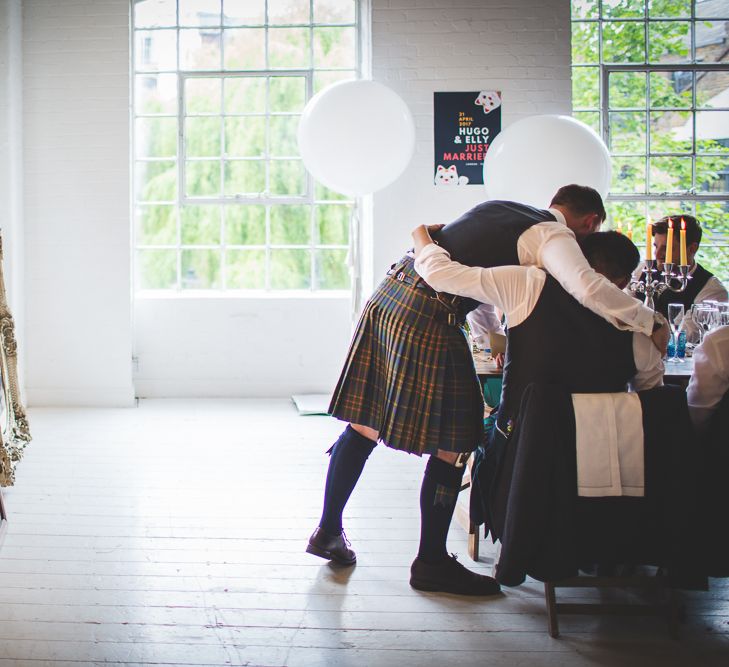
{"type": "Point", "coordinates": [675, 319]}
{"type": "Point", "coordinates": [705, 315]}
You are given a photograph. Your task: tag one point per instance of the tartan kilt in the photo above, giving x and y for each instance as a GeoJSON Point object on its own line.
{"type": "Point", "coordinates": [409, 374]}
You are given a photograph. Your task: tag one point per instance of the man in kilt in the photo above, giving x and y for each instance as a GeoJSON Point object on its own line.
{"type": "Point", "coordinates": [409, 379]}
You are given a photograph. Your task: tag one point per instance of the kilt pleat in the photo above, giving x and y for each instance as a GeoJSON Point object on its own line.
{"type": "Point", "coordinates": [410, 375]}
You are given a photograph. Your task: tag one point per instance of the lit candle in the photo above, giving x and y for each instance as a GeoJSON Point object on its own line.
{"type": "Point", "coordinates": [684, 260]}
{"type": "Point", "coordinates": [669, 243]}
{"type": "Point", "coordinates": [630, 231]}
{"type": "Point", "coordinates": [648, 240]}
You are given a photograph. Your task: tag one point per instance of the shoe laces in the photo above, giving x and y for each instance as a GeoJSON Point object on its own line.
{"type": "Point", "coordinates": [346, 539]}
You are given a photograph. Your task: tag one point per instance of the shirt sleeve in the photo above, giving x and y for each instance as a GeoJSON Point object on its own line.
{"type": "Point", "coordinates": [712, 291]}
{"type": "Point", "coordinates": [648, 364]}
{"type": "Point", "coordinates": [513, 289]}
{"type": "Point", "coordinates": [562, 257]}
{"type": "Point", "coordinates": [709, 381]}
{"type": "Point", "coordinates": [482, 321]}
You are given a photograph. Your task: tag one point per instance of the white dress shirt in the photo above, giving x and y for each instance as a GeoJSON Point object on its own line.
{"type": "Point", "coordinates": [515, 290]}
{"type": "Point", "coordinates": [710, 379]}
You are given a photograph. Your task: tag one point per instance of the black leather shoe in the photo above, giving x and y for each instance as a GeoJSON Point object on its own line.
{"type": "Point", "coordinates": [331, 547]}
{"type": "Point", "coordinates": [449, 576]}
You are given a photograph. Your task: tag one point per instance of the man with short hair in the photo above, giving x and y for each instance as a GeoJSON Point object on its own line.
{"type": "Point", "coordinates": [704, 285]}
{"type": "Point", "coordinates": [409, 379]}
{"type": "Point", "coordinates": [552, 339]}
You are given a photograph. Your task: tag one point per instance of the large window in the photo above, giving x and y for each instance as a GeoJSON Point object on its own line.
{"type": "Point", "coordinates": [653, 77]}
{"type": "Point", "coordinates": [221, 197]}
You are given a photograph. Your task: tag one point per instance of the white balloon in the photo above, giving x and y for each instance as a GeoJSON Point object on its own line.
{"type": "Point", "coordinates": [356, 137]}
{"type": "Point", "coordinates": [532, 158]}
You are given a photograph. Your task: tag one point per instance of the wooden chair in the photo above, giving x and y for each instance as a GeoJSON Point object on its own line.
{"type": "Point", "coordinates": [666, 607]}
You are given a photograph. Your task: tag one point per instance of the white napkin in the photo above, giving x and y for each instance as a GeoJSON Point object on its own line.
{"type": "Point", "coordinates": [609, 440]}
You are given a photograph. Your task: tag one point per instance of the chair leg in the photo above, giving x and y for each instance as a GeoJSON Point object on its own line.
{"type": "Point", "coordinates": [551, 601]}
{"type": "Point", "coordinates": [473, 541]}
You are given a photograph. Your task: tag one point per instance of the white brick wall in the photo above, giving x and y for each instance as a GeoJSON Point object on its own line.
{"type": "Point", "coordinates": [76, 196]}
{"type": "Point", "coordinates": [521, 47]}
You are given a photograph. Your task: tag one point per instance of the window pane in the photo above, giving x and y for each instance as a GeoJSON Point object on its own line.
{"type": "Point", "coordinates": [622, 9]}
{"type": "Point", "coordinates": [202, 137]}
{"type": "Point", "coordinates": [290, 268]}
{"type": "Point", "coordinates": [155, 93]}
{"type": "Point", "coordinates": [332, 224]}
{"type": "Point", "coordinates": [627, 90]}
{"type": "Point", "coordinates": [202, 178]}
{"type": "Point", "coordinates": [712, 90]}
{"type": "Point", "coordinates": [155, 13]}
{"type": "Point", "coordinates": [287, 177]}
{"type": "Point", "coordinates": [715, 223]}
{"type": "Point", "coordinates": [669, 41]}
{"type": "Point", "coordinates": [324, 79]}
{"type": "Point", "coordinates": [671, 89]}
{"type": "Point", "coordinates": [287, 12]}
{"type": "Point", "coordinates": [712, 131]}
{"type": "Point", "coordinates": [200, 269]}
{"type": "Point", "coordinates": [670, 174]}
{"type": "Point", "coordinates": [244, 12]}
{"type": "Point", "coordinates": [156, 269]}
{"type": "Point", "coordinates": [155, 50]}
{"type": "Point", "coordinates": [628, 216]}
{"type": "Point", "coordinates": [200, 12]}
{"type": "Point", "coordinates": [623, 42]}
{"type": "Point", "coordinates": [156, 180]}
{"type": "Point", "coordinates": [671, 132]}
{"type": "Point", "coordinates": [200, 224]}
{"type": "Point", "coordinates": [199, 49]}
{"type": "Point", "coordinates": [155, 137]}
{"type": "Point", "coordinates": [245, 225]}
{"type": "Point", "coordinates": [712, 174]}
{"type": "Point", "coordinates": [156, 225]}
{"type": "Point", "coordinates": [334, 11]}
{"type": "Point", "coordinates": [245, 136]}
{"type": "Point", "coordinates": [245, 94]}
{"type": "Point", "coordinates": [245, 48]}
{"type": "Point", "coordinates": [331, 269]}
{"type": "Point", "coordinates": [288, 47]}
{"type": "Point", "coordinates": [628, 175]}
{"type": "Point", "coordinates": [585, 43]}
{"type": "Point", "coordinates": [589, 118]}
{"type": "Point", "coordinates": [707, 8]}
{"type": "Point", "coordinates": [710, 35]}
{"type": "Point", "coordinates": [334, 47]}
{"type": "Point", "coordinates": [669, 8]}
{"type": "Point", "coordinates": [245, 269]}
{"type": "Point", "coordinates": [245, 177]}
{"type": "Point", "coordinates": [283, 131]}
{"type": "Point", "coordinates": [585, 87]}
{"type": "Point", "coordinates": [287, 93]}
{"type": "Point", "coordinates": [322, 193]}
{"type": "Point", "coordinates": [627, 132]}
{"type": "Point", "coordinates": [290, 225]}
{"type": "Point", "coordinates": [202, 95]}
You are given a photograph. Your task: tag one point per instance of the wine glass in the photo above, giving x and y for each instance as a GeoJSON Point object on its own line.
{"type": "Point", "coordinates": [675, 319]}
{"type": "Point", "coordinates": [705, 316]}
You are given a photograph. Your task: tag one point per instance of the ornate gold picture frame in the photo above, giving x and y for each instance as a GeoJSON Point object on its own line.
{"type": "Point", "coordinates": [14, 430]}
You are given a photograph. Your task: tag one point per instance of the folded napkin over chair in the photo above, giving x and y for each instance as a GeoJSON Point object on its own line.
{"type": "Point", "coordinates": [609, 440]}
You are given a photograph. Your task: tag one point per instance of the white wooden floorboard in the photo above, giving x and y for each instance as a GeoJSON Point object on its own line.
{"type": "Point", "coordinates": [174, 534]}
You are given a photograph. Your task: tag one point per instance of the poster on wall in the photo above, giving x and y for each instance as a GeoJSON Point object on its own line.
{"type": "Point", "coordinates": [465, 125]}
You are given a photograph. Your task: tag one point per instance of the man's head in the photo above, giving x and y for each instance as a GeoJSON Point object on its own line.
{"type": "Point", "coordinates": [660, 237]}
{"type": "Point", "coordinates": [612, 254]}
{"type": "Point", "coordinates": [582, 208]}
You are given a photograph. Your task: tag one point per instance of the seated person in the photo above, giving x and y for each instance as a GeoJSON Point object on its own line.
{"type": "Point", "coordinates": [710, 378]}
{"type": "Point", "coordinates": [703, 286]}
{"type": "Point", "coordinates": [544, 321]}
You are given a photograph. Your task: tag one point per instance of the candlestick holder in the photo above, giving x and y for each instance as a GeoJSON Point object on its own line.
{"type": "Point", "coordinates": [651, 286]}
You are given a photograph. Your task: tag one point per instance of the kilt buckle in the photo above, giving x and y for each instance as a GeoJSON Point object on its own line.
{"type": "Point", "coordinates": [400, 276]}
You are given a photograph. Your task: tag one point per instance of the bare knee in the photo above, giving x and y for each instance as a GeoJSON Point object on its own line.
{"type": "Point", "coordinates": [449, 457]}
{"type": "Point", "coordinates": [366, 431]}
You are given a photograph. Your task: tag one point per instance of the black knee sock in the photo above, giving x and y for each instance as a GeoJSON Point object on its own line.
{"type": "Point", "coordinates": [348, 457]}
{"type": "Point", "coordinates": [438, 495]}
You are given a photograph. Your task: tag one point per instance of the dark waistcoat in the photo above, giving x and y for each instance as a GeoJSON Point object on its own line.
{"type": "Point", "coordinates": [688, 296]}
{"type": "Point", "coordinates": [564, 343]}
{"type": "Point", "coordinates": [488, 235]}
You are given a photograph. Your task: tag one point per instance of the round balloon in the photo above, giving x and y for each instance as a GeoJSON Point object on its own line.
{"type": "Point", "coordinates": [356, 137]}
{"type": "Point", "coordinates": [532, 158]}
